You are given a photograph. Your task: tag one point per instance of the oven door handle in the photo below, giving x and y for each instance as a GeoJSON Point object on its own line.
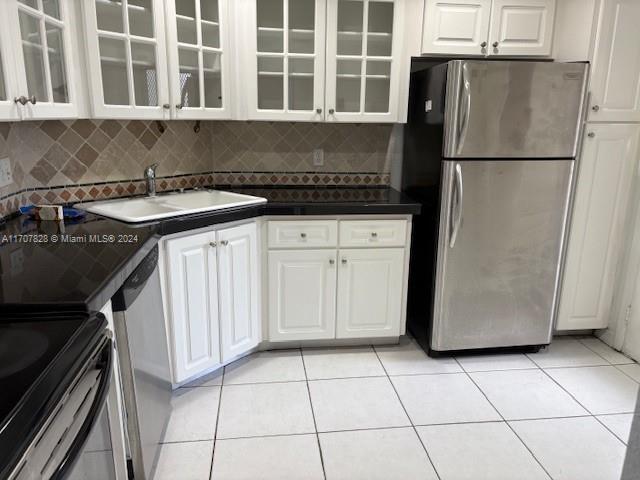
{"type": "Point", "coordinates": [75, 449]}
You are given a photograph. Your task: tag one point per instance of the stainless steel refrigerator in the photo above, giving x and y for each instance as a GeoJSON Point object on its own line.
{"type": "Point", "coordinates": [490, 150]}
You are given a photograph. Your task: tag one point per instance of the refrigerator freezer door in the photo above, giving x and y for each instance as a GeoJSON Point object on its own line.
{"type": "Point", "coordinates": [513, 109]}
{"type": "Point", "coordinates": [499, 248]}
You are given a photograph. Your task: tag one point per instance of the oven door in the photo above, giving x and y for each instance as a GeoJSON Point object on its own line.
{"type": "Point", "coordinates": [77, 443]}
{"type": "Point", "coordinates": [103, 455]}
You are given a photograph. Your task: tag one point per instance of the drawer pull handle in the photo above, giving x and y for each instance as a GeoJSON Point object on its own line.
{"type": "Point", "coordinates": [303, 235]}
{"type": "Point", "coordinates": [344, 261]}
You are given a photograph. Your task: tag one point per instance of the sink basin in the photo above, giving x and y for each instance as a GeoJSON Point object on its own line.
{"type": "Point", "coordinates": [145, 209]}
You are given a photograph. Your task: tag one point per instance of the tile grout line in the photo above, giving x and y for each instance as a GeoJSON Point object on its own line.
{"type": "Point", "coordinates": [607, 364]}
{"type": "Point", "coordinates": [593, 415]}
{"type": "Point", "coordinates": [608, 346]}
{"type": "Point", "coordinates": [313, 415]}
{"type": "Point", "coordinates": [245, 437]}
{"type": "Point", "coordinates": [415, 430]}
{"type": "Point", "coordinates": [505, 420]}
{"type": "Point", "coordinates": [625, 373]}
{"type": "Point", "coordinates": [215, 433]}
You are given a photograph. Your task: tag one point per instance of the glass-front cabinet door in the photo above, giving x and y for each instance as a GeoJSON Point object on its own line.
{"type": "Point", "coordinates": [42, 59]}
{"type": "Point", "coordinates": [364, 44]}
{"type": "Point", "coordinates": [198, 47]}
{"type": "Point", "coordinates": [127, 58]}
{"type": "Point", "coordinates": [286, 60]}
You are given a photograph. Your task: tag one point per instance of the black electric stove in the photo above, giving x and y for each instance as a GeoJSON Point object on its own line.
{"type": "Point", "coordinates": [41, 356]}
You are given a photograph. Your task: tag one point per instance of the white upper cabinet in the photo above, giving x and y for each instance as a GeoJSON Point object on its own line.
{"type": "Point", "coordinates": [238, 284]}
{"type": "Point", "coordinates": [488, 27]}
{"type": "Point", "coordinates": [35, 51]}
{"type": "Point", "coordinates": [364, 49]}
{"type": "Point", "coordinates": [125, 41]}
{"type": "Point", "coordinates": [198, 48]}
{"type": "Point", "coordinates": [607, 167]}
{"type": "Point", "coordinates": [615, 78]}
{"type": "Point", "coordinates": [456, 27]}
{"type": "Point", "coordinates": [521, 27]}
{"type": "Point", "coordinates": [283, 46]}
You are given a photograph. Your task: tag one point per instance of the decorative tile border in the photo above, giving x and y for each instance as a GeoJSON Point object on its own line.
{"type": "Point", "coordinates": [65, 194]}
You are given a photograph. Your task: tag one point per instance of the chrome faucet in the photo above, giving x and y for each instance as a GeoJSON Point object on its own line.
{"type": "Point", "coordinates": [150, 178]}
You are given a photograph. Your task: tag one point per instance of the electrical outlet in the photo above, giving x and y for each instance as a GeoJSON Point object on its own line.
{"type": "Point", "coordinates": [318, 157]}
{"type": "Point", "coordinates": [6, 177]}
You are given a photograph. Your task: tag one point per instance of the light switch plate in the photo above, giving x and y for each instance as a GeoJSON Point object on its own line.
{"type": "Point", "coordinates": [318, 157]}
{"type": "Point", "coordinates": [6, 177]}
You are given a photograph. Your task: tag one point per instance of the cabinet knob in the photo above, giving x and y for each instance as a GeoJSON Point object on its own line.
{"type": "Point", "coordinates": [179, 106]}
{"type": "Point", "coordinates": [483, 44]}
{"type": "Point", "coordinates": [591, 134]}
{"type": "Point", "coordinates": [213, 244]}
{"type": "Point", "coordinates": [303, 235]}
{"type": "Point", "coordinates": [344, 261]}
{"type": "Point", "coordinates": [166, 106]}
{"type": "Point", "coordinates": [331, 261]}
{"type": "Point", "coordinates": [596, 108]}
{"type": "Point", "coordinates": [374, 234]}
{"type": "Point", "coordinates": [224, 243]}
{"type": "Point", "coordinates": [495, 44]}
{"type": "Point", "coordinates": [331, 111]}
{"type": "Point", "coordinates": [318, 111]}
{"type": "Point", "coordinates": [22, 100]}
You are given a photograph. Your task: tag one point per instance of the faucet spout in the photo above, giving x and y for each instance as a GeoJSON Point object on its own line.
{"type": "Point", "coordinates": [150, 178]}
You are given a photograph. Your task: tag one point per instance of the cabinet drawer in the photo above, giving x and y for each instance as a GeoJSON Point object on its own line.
{"type": "Point", "coordinates": [373, 233]}
{"type": "Point", "coordinates": [303, 234]}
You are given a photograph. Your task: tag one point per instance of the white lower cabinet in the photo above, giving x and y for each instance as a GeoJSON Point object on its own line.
{"type": "Point", "coordinates": [212, 288]}
{"type": "Point", "coordinates": [370, 292]}
{"type": "Point", "coordinates": [609, 161]}
{"type": "Point", "coordinates": [238, 284]}
{"type": "Point", "coordinates": [353, 289]}
{"type": "Point", "coordinates": [193, 295]}
{"type": "Point", "coordinates": [302, 294]}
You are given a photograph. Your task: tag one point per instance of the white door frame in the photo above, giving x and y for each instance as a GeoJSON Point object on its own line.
{"type": "Point", "coordinates": [629, 273]}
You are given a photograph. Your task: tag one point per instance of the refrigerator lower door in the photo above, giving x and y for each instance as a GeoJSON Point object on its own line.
{"type": "Point", "coordinates": [500, 244]}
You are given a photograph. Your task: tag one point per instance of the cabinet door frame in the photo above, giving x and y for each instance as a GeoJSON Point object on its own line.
{"type": "Point", "coordinates": [67, 23]}
{"type": "Point", "coordinates": [456, 46]}
{"type": "Point", "coordinates": [203, 112]}
{"type": "Point", "coordinates": [543, 48]}
{"type": "Point", "coordinates": [96, 93]}
{"type": "Point", "coordinates": [327, 317]}
{"type": "Point", "coordinates": [9, 109]}
{"type": "Point", "coordinates": [394, 258]}
{"type": "Point", "coordinates": [397, 48]}
{"type": "Point", "coordinates": [228, 240]}
{"type": "Point", "coordinates": [584, 200]}
{"type": "Point", "coordinates": [176, 290]}
{"type": "Point", "coordinates": [247, 35]}
{"type": "Point", "coordinates": [601, 60]}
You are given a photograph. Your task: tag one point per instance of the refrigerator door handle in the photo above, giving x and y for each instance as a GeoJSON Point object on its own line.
{"type": "Point", "coordinates": [465, 109]}
{"type": "Point", "coordinates": [458, 206]}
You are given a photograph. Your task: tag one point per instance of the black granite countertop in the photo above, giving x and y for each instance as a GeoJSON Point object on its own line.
{"type": "Point", "coordinates": [81, 265]}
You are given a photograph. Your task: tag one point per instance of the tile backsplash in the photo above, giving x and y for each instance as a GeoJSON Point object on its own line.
{"type": "Point", "coordinates": [66, 161]}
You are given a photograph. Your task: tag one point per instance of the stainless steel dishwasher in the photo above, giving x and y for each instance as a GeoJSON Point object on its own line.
{"type": "Point", "coordinates": [141, 341]}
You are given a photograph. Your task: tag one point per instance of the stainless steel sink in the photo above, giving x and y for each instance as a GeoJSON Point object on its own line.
{"type": "Point", "coordinates": [144, 209]}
